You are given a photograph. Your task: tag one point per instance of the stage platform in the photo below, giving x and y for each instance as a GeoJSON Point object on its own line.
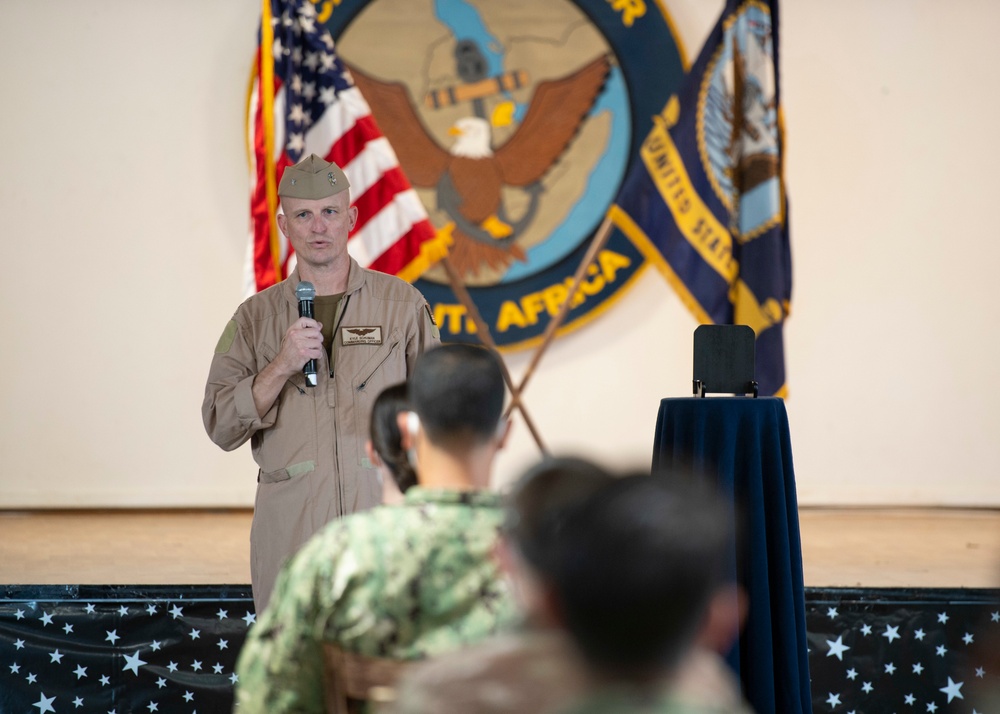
{"type": "Point", "coordinates": [853, 548]}
{"type": "Point", "coordinates": [136, 611]}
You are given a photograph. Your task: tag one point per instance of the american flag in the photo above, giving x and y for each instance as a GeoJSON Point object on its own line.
{"type": "Point", "coordinates": [303, 101]}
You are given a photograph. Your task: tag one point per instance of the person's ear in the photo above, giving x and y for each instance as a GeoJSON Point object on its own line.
{"type": "Point", "coordinates": [352, 217]}
{"type": "Point", "coordinates": [724, 618]}
{"type": "Point", "coordinates": [373, 456]}
{"type": "Point", "coordinates": [503, 432]}
{"type": "Point", "coordinates": [409, 426]}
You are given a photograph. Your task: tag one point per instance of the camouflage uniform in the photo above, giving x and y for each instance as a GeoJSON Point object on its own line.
{"type": "Point", "coordinates": [403, 582]}
{"type": "Point", "coordinates": [702, 684]}
{"type": "Point", "coordinates": [628, 702]}
{"type": "Point", "coordinates": [532, 671]}
{"type": "Point", "coordinates": [540, 672]}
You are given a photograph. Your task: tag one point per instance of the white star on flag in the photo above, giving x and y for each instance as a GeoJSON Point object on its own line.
{"type": "Point", "coordinates": [867, 687]}
{"type": "Point", "coordinates": [943, 618]}
{"type": "Point", "coordinates": [919, 634]}
{"type": "Point", "coordinates": [176, 612]}
{"type": "Point", "coordinates": [953, 690]}
{"type": "Point", "coordinates": [833, 700]}
{"type": "Point", "coordinates": [837, 648]}
{"type": "Point", "coordinates": [941, 650]}
{"type": "Point", "coordinates": [45, 704]}
{"type": "Point", "coordinates": [133, 663]}
{"type": "Point", "coordinates": [891, 633]}
{"type": "Point", "coordinates": [852, 674]}
{"type": "Point", "coordinates": [831, 612]}
{"type": "Point", "coordinates": [46, 619]}
{"type": "Point", "coordinates": [112, 636]}
{"type": "Point", "coordinates": [866, 630]}
{"type": "Point", "coordinates": [968, 638]}
{"type": "Point", "coordinates": [910, 699]}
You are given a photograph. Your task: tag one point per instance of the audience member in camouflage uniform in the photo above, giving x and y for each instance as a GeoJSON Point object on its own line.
{"type": "Point", "coordinates": [638, 569]}
{"type": "Point", "coordinates": [541, 670]}
{"type": "Point", "coordinates": [537, 670]}
{"type": "Point", "coordinates": [404, 581]}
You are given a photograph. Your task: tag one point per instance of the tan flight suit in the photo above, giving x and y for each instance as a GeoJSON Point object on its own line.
{"type": "Point", "coordinates": [310, 444]}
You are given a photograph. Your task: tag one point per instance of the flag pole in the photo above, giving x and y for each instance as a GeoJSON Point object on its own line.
{"type": "Point", "coordinates": [267, 115]}
{"type": "Point", "coordinates": [596, 245]}
{"type": "Point", "coordinates": [483, 330]}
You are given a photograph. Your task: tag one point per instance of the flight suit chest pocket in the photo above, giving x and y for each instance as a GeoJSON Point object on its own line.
{"type": "Point", "coordinates": [386, 366]}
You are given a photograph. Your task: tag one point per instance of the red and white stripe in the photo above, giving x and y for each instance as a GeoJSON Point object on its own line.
{"type": "Point", "coordinates": [392, 222]}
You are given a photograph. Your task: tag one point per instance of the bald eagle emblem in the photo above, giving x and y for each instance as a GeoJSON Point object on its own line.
{"type": "Point", "coordinates": [470, 175]}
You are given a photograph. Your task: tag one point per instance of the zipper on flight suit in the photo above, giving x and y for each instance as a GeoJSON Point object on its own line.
{"type": "Point", "coordinates": [341, 308]}
{"type": "Point", "coordinates": [378, 366]}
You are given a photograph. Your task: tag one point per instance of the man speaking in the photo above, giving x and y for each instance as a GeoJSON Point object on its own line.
{"type": "Point", "coordinates": [308, 441]}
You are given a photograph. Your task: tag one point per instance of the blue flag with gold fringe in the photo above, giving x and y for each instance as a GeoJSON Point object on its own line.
{"type": "Point", "coordinates": [706, 202]}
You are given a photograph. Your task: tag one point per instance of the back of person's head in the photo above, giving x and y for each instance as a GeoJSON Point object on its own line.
{"type": "Point", "coordinates": [637, 565]}
{"type": "Point", "coordinates": [457, 391]}
{"type": "Point", "coordinates": [385, 436]}
{"type": "Point", "coordinates": [537, 506]}
{"type": "Point", "coordinates": [540, 500]}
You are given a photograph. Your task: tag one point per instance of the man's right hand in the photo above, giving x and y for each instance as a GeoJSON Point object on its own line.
{"type": "Point", "coordinates": [302, 342]}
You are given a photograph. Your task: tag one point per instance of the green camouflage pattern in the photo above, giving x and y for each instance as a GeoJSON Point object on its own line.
{"type": "Point", "coordinates": [405, 582]}
{"type": "Point", "coordinates": [626, 702]}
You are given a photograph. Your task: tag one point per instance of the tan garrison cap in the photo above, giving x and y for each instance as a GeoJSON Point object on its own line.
{"type": "Point", "coordinates": [313, 178]}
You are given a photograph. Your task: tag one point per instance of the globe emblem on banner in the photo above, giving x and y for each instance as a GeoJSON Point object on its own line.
{"type": "Point", "coordinates": [743, 67]}
{"type": "Point", "coordinates": [516, 123]}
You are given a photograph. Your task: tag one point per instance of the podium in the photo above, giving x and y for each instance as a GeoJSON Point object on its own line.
{"type": "Point", "coordinates": [744, 443]}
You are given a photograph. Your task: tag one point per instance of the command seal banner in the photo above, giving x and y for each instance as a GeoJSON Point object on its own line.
{"type": "Point", "coordinates": [516, 123]}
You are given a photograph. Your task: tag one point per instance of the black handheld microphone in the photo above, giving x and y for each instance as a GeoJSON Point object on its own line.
{"type": "Point", "coordinates": [306, 293]}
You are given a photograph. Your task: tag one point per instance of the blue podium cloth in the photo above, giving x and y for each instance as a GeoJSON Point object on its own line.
{"type": "Point", "coordinates": [744, 442]}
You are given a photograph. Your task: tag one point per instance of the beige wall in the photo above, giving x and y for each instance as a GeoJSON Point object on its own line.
{"type": "Point", "coordinates": [123, 193]}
